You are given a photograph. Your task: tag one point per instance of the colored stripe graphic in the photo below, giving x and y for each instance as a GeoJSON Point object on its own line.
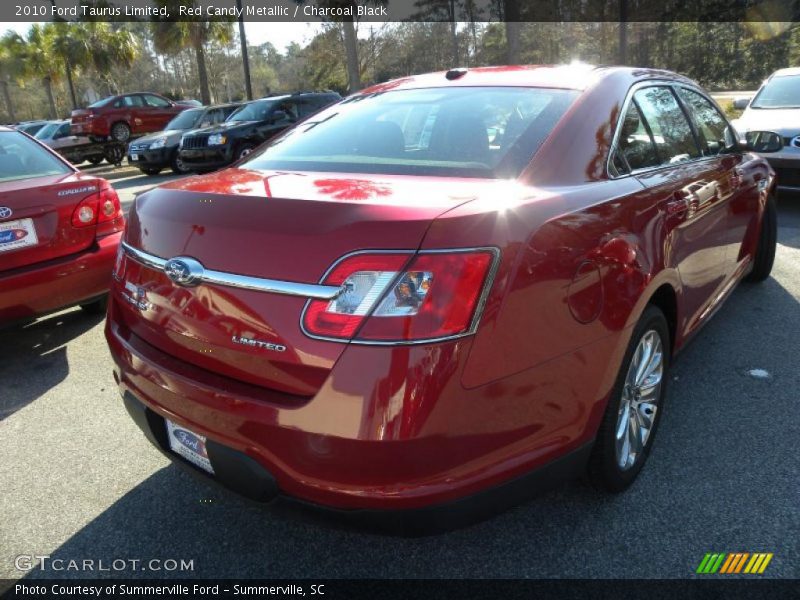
{"type": "Point", "coordinates": [734, 562]}
{"type": "Point", "coordinates": [711, 562]}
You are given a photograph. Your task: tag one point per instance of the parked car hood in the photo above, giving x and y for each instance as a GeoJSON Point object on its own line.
{"type": "Point", "coordinates": [780, 120]}
{"type": "Point", "coordinates": [173, 136]}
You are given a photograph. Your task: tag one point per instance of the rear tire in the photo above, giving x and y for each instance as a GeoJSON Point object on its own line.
{"type": "Point", "coordinates": [635, 401]}
{"type": "Point", "coordinates": [120, 132]}
{"type": "Point", "coordinates": [96, 307]}
{"type": "Point", "coordinates": [767, 241]}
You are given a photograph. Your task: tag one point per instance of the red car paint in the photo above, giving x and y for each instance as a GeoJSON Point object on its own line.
{"type": "Point", "coordinates": [356, 425]}
{"type": "Point", "coordinates": [137, 114]}
{"type": "Point", "coordinates": [69, 265]}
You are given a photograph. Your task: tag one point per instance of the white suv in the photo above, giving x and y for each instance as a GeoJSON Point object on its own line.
{"type": "Point", "coordinates": [776, 107]}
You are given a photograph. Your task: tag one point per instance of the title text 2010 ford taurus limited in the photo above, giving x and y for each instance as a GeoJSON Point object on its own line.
{"type": "Point", "coordinates": [441, 291]}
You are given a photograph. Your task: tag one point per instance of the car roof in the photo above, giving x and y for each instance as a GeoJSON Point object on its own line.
{"type": "Point", "coordinates": [786, 72]}
{"type": "Point", "coordinates": [574, 76]}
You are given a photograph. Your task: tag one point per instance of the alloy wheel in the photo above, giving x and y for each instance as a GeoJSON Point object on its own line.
{"type": "Point", "coordinates": [640, 395]}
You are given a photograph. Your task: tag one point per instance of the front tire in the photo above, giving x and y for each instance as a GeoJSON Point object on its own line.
{"type": "Point", "coordinates": [244, 150]}
{"type": "Point", "coordinates": [95, 160]}
{"type": "Point", "coordinates": [634, 409]}
{"type": "Point", "coordinates": [178, 166]}
{"type": "Point", "coordinates": [767, 242]}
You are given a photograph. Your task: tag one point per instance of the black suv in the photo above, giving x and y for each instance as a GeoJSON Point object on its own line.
{"type": "Point", "coordinates": [156, 151]}
{"type": "Point", "coordinates": [254, 123]}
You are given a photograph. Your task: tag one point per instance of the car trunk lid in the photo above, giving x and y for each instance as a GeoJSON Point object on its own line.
{"type": "Point", "coordinates": [281, 226]}
{"type": "Point", "coordinates": [41, 219]}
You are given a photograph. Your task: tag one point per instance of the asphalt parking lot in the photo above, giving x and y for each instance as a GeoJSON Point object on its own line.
{"type": "Point", "coordinates": [79, 481]}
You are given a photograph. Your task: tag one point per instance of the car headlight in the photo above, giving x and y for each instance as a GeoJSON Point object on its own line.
{"type": "Point", "coordinates": [216, 139]}
{"type": "Point", "coordinates": [158, 143]}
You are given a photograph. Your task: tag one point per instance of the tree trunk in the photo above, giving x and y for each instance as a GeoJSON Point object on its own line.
{"type": "Point", "coordinates": [248, 87]}
{"type": "Point", "coordinates": [351, 51]}
{"type": "Point", "coordinates": [512, 42]}
{"type": "Point", "coordinates": [9, 104]}
{"type": "Point", "coordinates": [68, 70]}
{"type": "Point", "coordinates": [451, 11]}
{"type": "Point", "coordinates": [48, 87]}
{"type": "Point", "coordinates": [202, 73]}
{"type": "Point", "coordinates": [623, 32]}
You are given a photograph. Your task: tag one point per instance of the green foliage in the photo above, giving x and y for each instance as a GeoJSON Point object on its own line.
{"type": "Point", "coordinates": [166, 57]}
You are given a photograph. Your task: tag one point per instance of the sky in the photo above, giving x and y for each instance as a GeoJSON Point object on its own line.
{"type": "Point", "coordinates": [280, 34]}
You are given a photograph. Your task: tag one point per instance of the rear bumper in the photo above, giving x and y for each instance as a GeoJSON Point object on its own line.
{"type": "Point", "coordinates": [207, 158]}
{"type": "Point", "coordinates": [97, 127]}
{"type": "Point", "coordinates": [238, 472]}
{"type": "Point", "coordinates": [45, 287]}
{"type": "Point", "coordinates": [388, 430]}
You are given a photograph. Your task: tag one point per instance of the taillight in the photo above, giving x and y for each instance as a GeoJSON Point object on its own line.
{"type": "Point", "coordinates": [102, 209]}
{"type": "Point", "coordinates": [395, 298]}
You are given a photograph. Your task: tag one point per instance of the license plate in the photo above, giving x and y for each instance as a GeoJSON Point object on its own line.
{"type": "Point", "coordinates": [17, 234]}
{"type": "Point", "coordinates": [134, 157]}
{"type": "Point", "coordinates": [189, 445]}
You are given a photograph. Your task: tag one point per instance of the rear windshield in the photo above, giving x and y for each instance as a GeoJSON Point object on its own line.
{"type": "Point", "coordinates": [779, 92]}
{"type": "Point", "coordinates": [460, 132]}
{"type": "Point", "coordinates": [22, 158]}
{"type": "Point", "coordinates": [101, 102]}
{"type": "Point", "coordinates": [47, 131]}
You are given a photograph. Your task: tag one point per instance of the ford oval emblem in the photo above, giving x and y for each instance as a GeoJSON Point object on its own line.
{"type": "Point", "coordinates": [5, 212]}
{"type": "Point", "coordinates": [190, 440]}
{"type": "Point", "coordinates": [184, 271]}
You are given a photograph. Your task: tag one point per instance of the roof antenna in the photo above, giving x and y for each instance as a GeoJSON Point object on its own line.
{"type": "Point", "coordinates": [455, 73]}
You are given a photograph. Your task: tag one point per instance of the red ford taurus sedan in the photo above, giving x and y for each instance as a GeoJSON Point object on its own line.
{"type": "Point", "coordinates": [441, 293]}
{"type": "Point", "coordinates": [59, 232]}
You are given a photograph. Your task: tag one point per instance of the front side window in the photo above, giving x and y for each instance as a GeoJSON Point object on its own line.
{"type": "Point", "coordinates": [467, 132]}
{"type": "Point", "coordinates": [667, 122]}
{"type": "Point", "coordinates": [717, 136]}
{"type": "Point", "coordinates": [22, 158]}
{"type": "Point", "coordinates": [779, 92]}
{"type": "Point", "coordinates": [253, 111]}
{"type": "Point", "coordinates": [155, 101]}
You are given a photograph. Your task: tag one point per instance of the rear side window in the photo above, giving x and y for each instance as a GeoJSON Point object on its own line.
{"type": "Point", "coordinates": [668, 125]}
{"type": "Point", "coordinates": [129, 101]}
{"type": "Point", "coordinates": [716, 134]}
{"type": "Point", "coordinates": [636, 148]}
{"type": "Point", "coordinates": [22, 158]}
{"type": "Point", "coordinates": [466, 132]}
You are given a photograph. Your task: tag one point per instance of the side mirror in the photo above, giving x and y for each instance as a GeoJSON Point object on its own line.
{"type": "Point", "coordinates": [741, 103]}
{"type": "Point", "coordinates": [763, 141]}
